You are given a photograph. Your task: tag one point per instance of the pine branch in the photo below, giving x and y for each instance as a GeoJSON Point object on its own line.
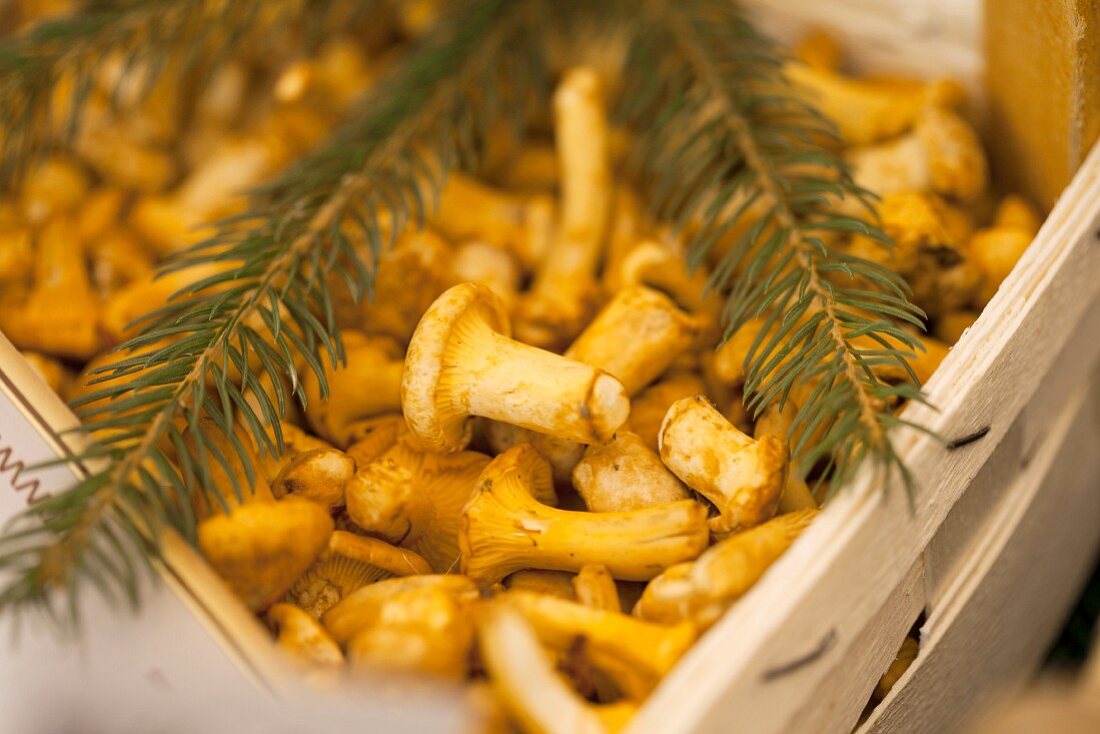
{"type": "Point", "coordinates": [48, 73]}
{"type": "Point", "coordinates": [728, 149]}
{"type": "Point", "coordinates": [268, 311]}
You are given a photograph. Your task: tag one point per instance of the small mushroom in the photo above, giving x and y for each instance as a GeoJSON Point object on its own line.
{"type": "Point", "coordinates": [865, 111]}
{"type": "Point", "coordinates": [659, 266]}
{"type": "Point", "coordinates": [295, 442]}
{"type": "Point", "coordinates": [1016, 211]}
{"type": "Point", "coordinates": [525, 681]}
{"type": "Point", "coordinates": [56, 375]}
{"type": "Point", "coordinates": [117, 258]}
{"type": "Point", "coordinates": [635, 337]}
{"type": "Point", "coordinates": [995, 251]}
{"type": "Point", "coordinates": [702, 590]}
{"type": "Point", "coordinates": [471, 210]}
{"type": "Point", "coordinates": [613, 641]}
{"type": "Point", "coordinates": [538, 581]}
{"type": "Point", "coordinates": [58, 315]}
{"type": "Point", "coordinates": [410, 275]}
{"type": "Point", "coordinates": [373, 437]}
{"type": "Point", "coordinates": [742, 477]}
{"type": "Point", "coordinates": [263, 547]}
{"type": "Point", "coordinates": [595, 588]}
{"type": "Point", "coordinates": [415, 499]}
{"type": "Point", "coordinates": [126, 306]}
{"type": "Point", "coordinates": [461, 363]}
{"type": "Point", "coordinates": [488, 265]}
{"type": "Point", "coordinates": [362, 608]}
{"type": "Point", "coordinates": [319, 475]}
{"type": "Point", "coordinates": [302, 637]}
{"type": "Point", "coordinates": [564, 287]}
{"type": "Point", "coordinates": [647, 410]}
{"type": "Point", "coordinates": [423, 630]}
{"type": "Point", "coordinates": [371, 361]}
{"type": "Point", "coordinates": [348, 563]}
{"type": "Point", "coordinates": [505, 529]}
{"type": "Point", "coordinates": [16, 255]}
{"type": "Point", "coordinates": [55, 186]}
{"type": "Point", "coordinates": [942, 154]}
{"type": "Point", "coordinates": [625, 475]}
{"type": "Point", "coordinates": [562, 454]}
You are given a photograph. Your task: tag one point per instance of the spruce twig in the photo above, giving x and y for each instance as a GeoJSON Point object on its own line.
{"type": "Point", "coordinates": [271, 300]}
{"type": "Point", "coordinates": [730, 150]}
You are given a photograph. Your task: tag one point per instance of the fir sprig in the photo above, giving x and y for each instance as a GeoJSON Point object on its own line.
{"type": "Point", "coordinates": [267, 311]}
{"type": "Point", "coordinates": [48, 72]}
{"type": "Point", "coordinates": [738, 160]}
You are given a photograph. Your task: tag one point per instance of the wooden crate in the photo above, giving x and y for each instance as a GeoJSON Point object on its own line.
{"type": "Point", "coordinates": [999, 535]}
{"type": "Point", "coordinates": [1002, 531]}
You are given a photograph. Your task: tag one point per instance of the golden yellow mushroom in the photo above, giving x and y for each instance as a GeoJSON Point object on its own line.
{"type": "Point", "coordinates": [16, 255]}
{"type": "Point", "coordinates": [319, 475]}
{"type": "Point", "coordinates": [362, 608]}
{"type": "Point", "coordinates": [488, 265]}
{"type": "Point", "coordinates": [419, 630]}
{"type": "Point", "coordinates": [295, 442]}
{"type": "Point", "coordinates": [373, 361]}
{"type": "Point", "coordinates": [57, 315]}
{"type": "Point", "coordinates": [559, 302]}
{"type": "Point", "coordinates": [635, 337]}
{"type": "Point", "coordinates": [410, 275]}
{"type": "Point", "coordinates": [461, 363]}
{"type": "Point", "coordinates": [233, 480]}
{"type": "Point", "coordinates": [865, 111]}
{"type": "Point", "coordinates": [373, 437]}
{"type": "Point", "coordinates": [471, 210]}
{"type": "Point", "coordinates": [302, 637]}
{"type": "Point", "coordinates": [952, 325]}
{"type": "Point", "coordinates": [995, 251]}
{"type": "Point", "coordinates": [663, 267]}
{"type": "Point", "coordinates": [908, 652]}
{"type": "Point", "coordinates": [415, 499]}
{"type": "Point", "coordinates": [348, 563]}
{"type": "Point", "coordinates": [1016, 211]}
{"type": "Point", "coordinates": [942, 154]}
{"type": "Point", "coordinates": [56, 375]}
{"type": "Point", "coordinates": [554, 583]}
{"type": "Point", "coordinates": [594, 587]}
{"type": "Point", "coordinates": [742, 477]}
{"type": "Point", "coordinates": [625, 475]}
{"type": "Point", "coordinates": [505, 529]}
{"type": "Point", "coordinates": [54, 186]}
{"type": "Point", "coordinates": [647, 410]}
{"type": "Point", "coordinates": [263, 547]}
{"type": "Point", "coordinates": [99, 212]}
{"type": "Point", "coordinates": [524, 680]}
{"type": "Point", "coordinates": [702, 590]}
{"type": "Point", "coordinates": [562, 454]}
{"type": "Point", "coordinates": [613, 641]}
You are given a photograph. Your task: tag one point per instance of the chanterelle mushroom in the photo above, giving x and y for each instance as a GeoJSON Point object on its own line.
{"type": "Point", "coordinates": [373, 361]}
{"type": "Point", "coordinates": [415, 499]}
{"type": "Point", "coordinates": [525, 681]}
{"type": "Point", "coordinates": [262, 547]}
{"type": "Point", "coordinates": [700, 591]}
{"type": "Point", "coordinates": [461, 363]}
{"type": "Point", "coordinates": [625, 475]}
{"type": "Point", "coordinates": [635, 337]}
{"type": "Point", "coordinates": [742, 477]}
{"type": "Point", "coordinates": [348, 563]}
{"type": "Point", "coordinates": [613, 641]}
{"type": "Point", "coordinates": [303, 637]}
{"type": "Point", "coordinates": [362, 608]}
{"type": "Point", "coordinates": [319, 475]}
{"type": "Point", "coordinates": [505, 529]}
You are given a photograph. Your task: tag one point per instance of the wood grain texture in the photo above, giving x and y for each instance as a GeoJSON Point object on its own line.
{"type": "Point", "coordinates": [844, 568]}
{"type": "Point", "coordinates": [1043, 76]}
{"type": "Point", "coordinates": [996, 622]}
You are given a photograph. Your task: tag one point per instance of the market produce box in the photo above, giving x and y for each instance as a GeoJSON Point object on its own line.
{"type": "Point", "coordinates": [603, 454]}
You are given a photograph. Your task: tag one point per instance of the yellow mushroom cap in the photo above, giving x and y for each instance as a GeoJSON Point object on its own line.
{"type": "Point", "coordinates": [261, 548]}
{"type": "Point", "coordinates": [373, 437]}
{"type": "Point", "coordinates": [303, 637]}
{"type": "Point", "coordinates": [319, 475]}
{"type": "Point", "coordinates": [595, 588]}
{"type": "Point", "coordinates": [625, 475]}
{"type": "Point", "coordinates": [348, 563]}
{"type": "Point", "coordinates": [702, 590]}
{"type": "Point", "coordinates": [361, 609]}
{"type": "Point", "coordinates": [461, 363]}
{"type": "Point", "coordinates": [421, 630]}
{"type": "Point", "coordinates": [742, 477]}
{"type": "Point", "coordinates": [415, 499]}
{"type": "Point", "coordinates": [647, 410]}
{"type": "Point", "coordinates": [371, 360]}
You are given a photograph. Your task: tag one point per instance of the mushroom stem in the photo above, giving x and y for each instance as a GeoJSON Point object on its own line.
{"type": "Point", "coordinates": [545, 392]}
{"type": "Point", "coordinates": [612, 640]}
{"type": "Point", "coordinates": [505, 529]}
